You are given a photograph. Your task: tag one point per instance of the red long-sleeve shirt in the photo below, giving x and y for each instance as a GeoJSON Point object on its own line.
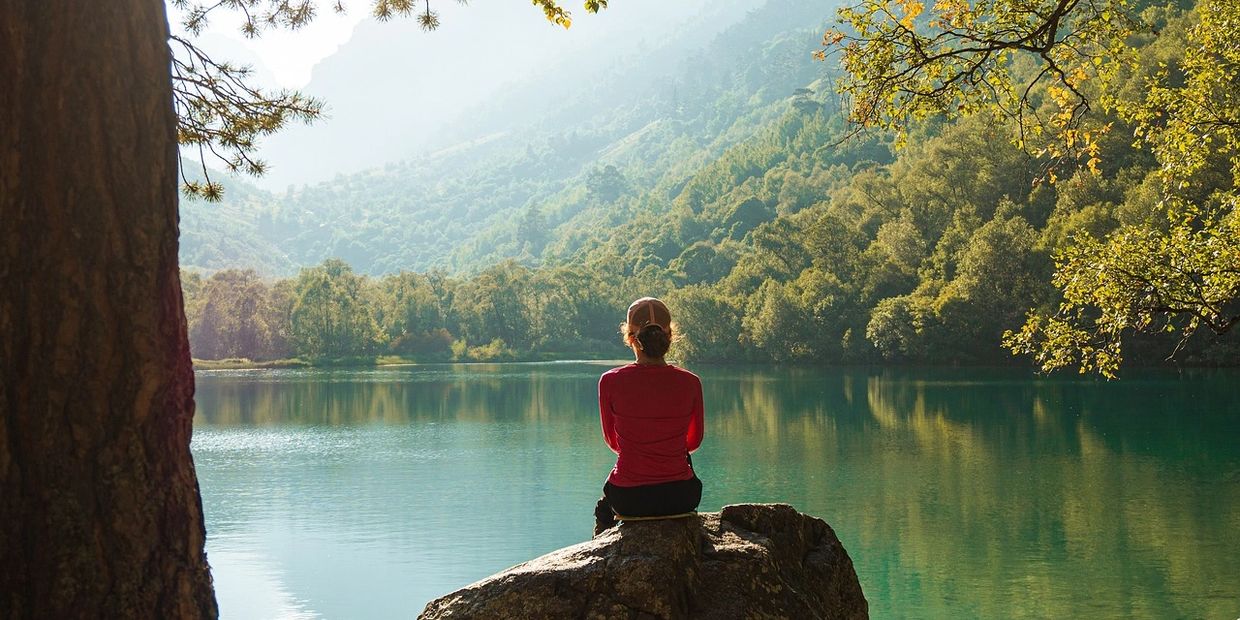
{"type": "Point", "coordinates": [652, 417]}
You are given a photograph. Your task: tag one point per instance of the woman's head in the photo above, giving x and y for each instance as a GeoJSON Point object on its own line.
{"type": "Point", "coordinates": [648, 327]}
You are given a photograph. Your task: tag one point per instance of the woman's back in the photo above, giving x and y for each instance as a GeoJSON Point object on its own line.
{"type": "Point", "coordinates": [652, 416]}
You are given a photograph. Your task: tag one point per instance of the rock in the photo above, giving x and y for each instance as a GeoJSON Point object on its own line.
{"type": "Point", "coordinates": [745, 561]}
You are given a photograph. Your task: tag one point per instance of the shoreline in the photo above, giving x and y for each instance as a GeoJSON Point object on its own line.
{"type": "Point", "coordinates": [396, 360]}
{"type": "Point", "coordinates": [384, 360]}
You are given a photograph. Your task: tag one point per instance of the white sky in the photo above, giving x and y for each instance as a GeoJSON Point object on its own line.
{"type": "Point", "coordinates": [368, 121]}
{"type": "Point", "coordinates": [288, 55]}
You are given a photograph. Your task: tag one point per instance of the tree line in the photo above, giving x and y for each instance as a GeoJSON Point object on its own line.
{"type": "Point", "coordinates": [331, 312]}
{"type": "Point", "coordinates": [922, 245]}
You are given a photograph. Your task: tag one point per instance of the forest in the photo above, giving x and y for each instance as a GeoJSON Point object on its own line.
{"type": "Point", "coordinates": [774, 233]}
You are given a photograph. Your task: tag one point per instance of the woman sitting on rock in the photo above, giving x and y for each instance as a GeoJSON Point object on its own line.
{"type": "Point", "coordinates": [652, 419]}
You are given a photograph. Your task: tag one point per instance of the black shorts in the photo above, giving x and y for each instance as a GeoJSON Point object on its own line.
{"type": "Point", "coordinates": [652, 500]}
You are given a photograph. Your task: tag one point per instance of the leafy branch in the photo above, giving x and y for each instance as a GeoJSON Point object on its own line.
{"type": "Point", "coordinates": [221, 114]}
{"type": "Point", "coordinates": [1026, 61]}
{"type": "Point", "coordinates": [1136, 280]}
{"type": "Point", "coordinates": [1044, 65]}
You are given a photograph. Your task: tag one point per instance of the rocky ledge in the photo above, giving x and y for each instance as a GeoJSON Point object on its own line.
{"type": "Point", "coordinates": [745, 561]}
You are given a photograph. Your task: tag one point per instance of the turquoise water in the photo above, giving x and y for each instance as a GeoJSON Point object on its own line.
{"type": "Point", "coordinates": [958, 493]}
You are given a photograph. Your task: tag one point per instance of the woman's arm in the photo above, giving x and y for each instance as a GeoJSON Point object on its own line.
{"type": "Point", "coordinates": [697, 423]}
{"type": "Point", "coordinates": [606, 417]}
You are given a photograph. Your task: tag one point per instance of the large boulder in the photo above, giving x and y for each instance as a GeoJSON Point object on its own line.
{"type": "Point", "coordinates": [745, 561]}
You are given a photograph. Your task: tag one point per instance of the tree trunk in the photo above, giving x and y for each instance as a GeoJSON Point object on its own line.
{"type": "Point", "coordinates": [99, 506]}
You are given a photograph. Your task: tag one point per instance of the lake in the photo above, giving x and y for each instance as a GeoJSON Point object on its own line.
{"type": "Point", "coordinates": [364, 493]}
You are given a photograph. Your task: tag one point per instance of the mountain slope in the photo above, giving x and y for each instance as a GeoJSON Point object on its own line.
{"type": "Point", "coordinates": [655, 117]}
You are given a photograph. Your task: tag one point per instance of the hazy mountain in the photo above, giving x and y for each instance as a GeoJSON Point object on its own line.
{"type": "Point", "coordinates": [394, 91]}
{"type": "Point", "coordinates": [653, 98]}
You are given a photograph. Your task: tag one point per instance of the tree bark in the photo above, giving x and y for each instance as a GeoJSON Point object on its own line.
{"type": "Point", "coordinates": [99, 507]}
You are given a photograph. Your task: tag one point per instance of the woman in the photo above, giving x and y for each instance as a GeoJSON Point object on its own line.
{"type": "Point", "coordinates": [652, 419]}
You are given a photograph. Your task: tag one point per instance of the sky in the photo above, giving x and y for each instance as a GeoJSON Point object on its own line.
{"type": "Point", "coordinates": [287, 57]}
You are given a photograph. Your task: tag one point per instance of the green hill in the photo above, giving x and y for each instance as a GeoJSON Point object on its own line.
{"type": "Point", "coordinates": [458, 208]}
{"type": "Point", "coordinates": [730, 189]}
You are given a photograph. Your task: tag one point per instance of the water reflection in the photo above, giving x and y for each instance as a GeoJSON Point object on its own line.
{"type": "Point", "coordinates": [959, 493]}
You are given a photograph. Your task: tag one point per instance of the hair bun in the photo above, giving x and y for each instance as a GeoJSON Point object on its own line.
{"type": "Point", "coordinates": [653, 340]}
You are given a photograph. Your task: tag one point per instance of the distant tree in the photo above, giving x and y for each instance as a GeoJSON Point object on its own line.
{"type": "Point", "coordinates": [795, 193]}
{"type": "Point", "coordinates": [900, 242]}
{"type": "Point", "coordinates": [775, 324]}
{"type": "Point", "coordinates": [232, 317]}
{"type": "Point", "coordinates": [833, 245]}
{"type": "Point", "coordinates": [708, 324]}
{"type": "Point", "coordinates": [747, 215]}
{"type": "Point", "coordinates": [279, 320]}
{"type": "Point", "coordinates": [802, 99]}
{"type": "Point", "coordinates": [830, 308]}
{"type": "Point", "coordinates": [191, 287]}
{"type": "Point", "coordinates": [606, 184]}
{"type": "Point", "coordinates": [572, 309]}
{"type": "Point", "coordinates": [410, 314]}
{"type": "Point", "coordinates": [702, 262]}
{"type": "Point", "coordinates": [895, 327]}
{"type": "Point", "coordinates": [331, 315]}
{"type": "Point", "coordinates": [1001, 273]}
{"type": "Point", "coordinates": [491, 305]}
{"type": "Point", "coordinates": [778, 250]}
{"type": "Point", "coordinates": [532, 230]}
